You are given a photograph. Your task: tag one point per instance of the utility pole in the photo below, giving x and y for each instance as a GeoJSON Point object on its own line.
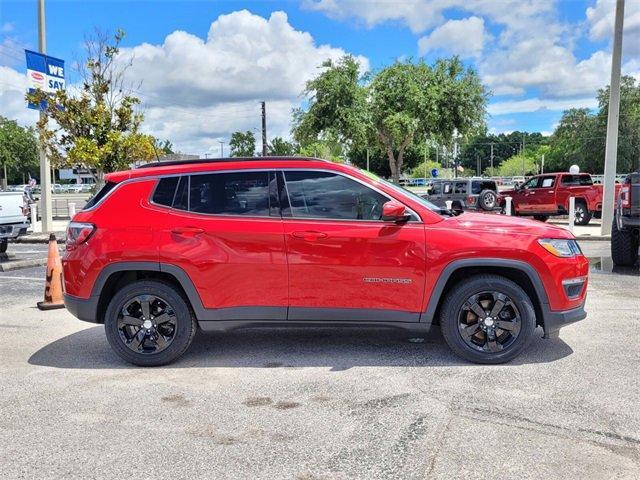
{"type": "Point", "coordinates": [478, 165]}
{"type": "Point", "coordinates": [542, 165]}
{"type": "Point", "coordinates": [367, 159]}
{"type": "Point", "coordinates": [221, 148]}
{"type": "Point", "coordinates": [425, 160]}
{"type": "Point", "coordinates": [611, 151]}
{"type": "Point", "coordinates": [45, 173]}
{"type": "Point", "coordinates": [492, 172]}
{"type": "Point", "coordinates": [264, 129]}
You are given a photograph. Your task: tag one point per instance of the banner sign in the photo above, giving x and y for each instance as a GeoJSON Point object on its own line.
{"type": "Point", "coordinates": [43, 72]}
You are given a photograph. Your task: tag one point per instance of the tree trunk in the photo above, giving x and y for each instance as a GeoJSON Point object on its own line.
{"type": "Point", "coordinates": [393, 166]}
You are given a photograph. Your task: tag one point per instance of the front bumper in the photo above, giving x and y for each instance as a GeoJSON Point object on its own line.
{"type": "Point", "coordinates": [554, 321]}
{"type": "Point", "coordinates": [82, 308]}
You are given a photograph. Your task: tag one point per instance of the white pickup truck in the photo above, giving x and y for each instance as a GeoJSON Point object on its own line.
{"type": "Point", "coordinates": [13, 221]}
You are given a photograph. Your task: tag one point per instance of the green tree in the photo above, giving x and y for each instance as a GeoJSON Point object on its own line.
{"type": "Point", "coordinates": [424, 168]}
{"type": "Point", "coordinates": [98, 127]}
{"type": "Point", "coordinates": [580, 137]}
{"type": "Point", "coordinates": [478, 148]}
{"type": "Point", "coordinates": [281, 147]}
{"type": "Point", "coordinates": [402, 104]}
{"type": "Point", "coordinates": [243, 144]}
{"type": "Point", "coordinates": [518, 165]}
{"type": "Point", "coordinates": [18, 149]}
{"type": "Point", "coordinates": [164, 147]}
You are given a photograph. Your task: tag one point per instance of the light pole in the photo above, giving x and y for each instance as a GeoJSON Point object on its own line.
{"type": "Point", "coordinates": [221, 148]}
{"type": "Point", "coordinates": [45, 170]}
{"type": "Point", "coordinates": [611, 151]}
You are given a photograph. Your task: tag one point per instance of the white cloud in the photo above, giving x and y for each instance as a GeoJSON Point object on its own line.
{"type": "Point", "coordinates": [601, 19]}
{"type": "Point", "coordinates": [538, 104]}
{"type": "Point", "coordinates": [462, 37]}
{"type": "Point", "coordinates": [13, 86]}
{"type": "Point", "coordinates": [197, 91]}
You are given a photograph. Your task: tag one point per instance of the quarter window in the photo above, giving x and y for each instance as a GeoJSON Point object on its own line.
{"type": "Point", "coordinates": [315, 194]}
{"type": "Point", "coordinates": [165, 191]}
{"type": "Point", "coordinates": [241, 193]}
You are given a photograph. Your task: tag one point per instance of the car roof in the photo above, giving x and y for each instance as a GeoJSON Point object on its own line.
{"type": "Point", "coordinates": [156, 169]}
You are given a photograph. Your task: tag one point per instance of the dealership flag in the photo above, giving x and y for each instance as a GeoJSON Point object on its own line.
{"type": "Point", "coordinates": [43, 72]}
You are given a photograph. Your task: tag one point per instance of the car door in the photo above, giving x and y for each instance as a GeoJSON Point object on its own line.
{"type": "Point", "coordinates": [545, 197]}
{"type": "Point", "coordinates": [345, 263]}
{"type": "Point", "coordinates": [225, 231]}
{"type": "Point", "coordinates": [525, 197]}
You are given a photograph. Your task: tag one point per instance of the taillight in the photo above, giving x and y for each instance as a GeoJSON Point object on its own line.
{"type": "Point", "coordinates": [625, 197]}
{"type": "Point", "coordinates": [78, 233]}
{"type": "Point", "coordinates": [471, 199]}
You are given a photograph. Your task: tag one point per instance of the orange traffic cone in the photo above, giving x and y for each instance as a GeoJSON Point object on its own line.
{"type": "Point", "coordinates": [53, 286]}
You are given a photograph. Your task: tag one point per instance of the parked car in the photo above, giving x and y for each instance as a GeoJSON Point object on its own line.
{"type": "Point", "coordinates": [465, 193]}
{"type": "Point", "coordinates": [625, 231]}
{"type": "Point", "coordinates": [13, 220]}
{"type": "Point", "coordinates": [274, 241]}
{"type": "Point", "coordinates": [547, 195]}
{"type": "Point", "coordinates": [75, 188]}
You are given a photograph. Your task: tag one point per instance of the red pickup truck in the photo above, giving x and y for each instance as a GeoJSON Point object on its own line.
{"type": "Point", "coordinates": [545, 195]}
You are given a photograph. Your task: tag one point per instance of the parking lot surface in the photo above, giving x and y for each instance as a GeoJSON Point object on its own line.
{"type": "Point", "coordinates": [320, 403]}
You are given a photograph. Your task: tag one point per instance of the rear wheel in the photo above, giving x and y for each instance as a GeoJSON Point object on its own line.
{"type": "Point", "coordinates": [487, 319]}
{"type": "Point", "coordinates": [488, 200]}
{"type": "Point", "coordinates": [541, 218]}
{"type": "Point", "coordinates": [583, 216]}
{"type": "Point", "coordinates": [624, 246]}
{"type": "Point", "coordinates": [149, 323]}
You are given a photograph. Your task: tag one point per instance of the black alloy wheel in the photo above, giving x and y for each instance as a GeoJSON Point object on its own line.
{"type": "Point", "coordinates": [489, 321]}
{"type": "Point", "coordinates": [147, 324]}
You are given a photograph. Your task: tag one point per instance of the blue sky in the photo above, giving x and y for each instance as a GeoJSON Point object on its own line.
{"type": "Point", "coordinates": [204, 65]}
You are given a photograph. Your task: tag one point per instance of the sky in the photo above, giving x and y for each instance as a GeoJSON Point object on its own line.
{"type": "Point", "coordinates": [201, 67]}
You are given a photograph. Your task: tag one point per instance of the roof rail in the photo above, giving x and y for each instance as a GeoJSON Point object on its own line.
{"type": "Point", "coordinates": [227, 159]}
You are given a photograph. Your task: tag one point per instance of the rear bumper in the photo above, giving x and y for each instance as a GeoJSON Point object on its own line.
{"type": "Point", "coordinates": [554, 321]}
{"type": "Point", "coordinates": [13, 230]}
{"type": "Point", "coordinates": [82, 308]}
{"type": "Point", "coordinates": [628, 222]}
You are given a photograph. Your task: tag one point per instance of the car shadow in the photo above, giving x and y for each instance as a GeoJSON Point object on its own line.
{"type": "Point", "coordinates": [336, 348]}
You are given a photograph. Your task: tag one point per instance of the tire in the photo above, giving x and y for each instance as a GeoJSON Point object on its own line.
{"type": "Point", "coordinates": [123, 333]}
{"type": "Point", "coordinates": [583, 216]}
{"type": "Point", "coordinates": [624, 246]}
{"type": "Point", "coordinates": [506, 346]}
{"type": "Point", "coordinates": [487, 200]}
{"type": "Point", "coordinates": [4, 243]}
{"type": "Point", "coordinates": [541, 218]}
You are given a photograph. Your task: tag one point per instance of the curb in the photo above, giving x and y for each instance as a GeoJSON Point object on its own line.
{"type": "Point", "coordinates": [594, 238]}
{"type": "Point", "coordinates": [18, 264]}
{"type": "Point", "coordinates": [61, 237]}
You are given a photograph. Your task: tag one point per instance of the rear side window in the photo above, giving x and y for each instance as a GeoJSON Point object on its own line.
{"type": "Point", "coordinates": [460, 187]}
{"type": "Point", "coordinates": [165, 191]}
{"type": "Point", "coordinates": [100, 195]}
{"type": "Point", "coordinates": [241, 193]}
{"type": "Point", "coordinates": [583, 180]}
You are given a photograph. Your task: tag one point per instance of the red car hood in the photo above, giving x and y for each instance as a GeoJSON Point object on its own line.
{"type": "Point", "coordinates": [508, 224]}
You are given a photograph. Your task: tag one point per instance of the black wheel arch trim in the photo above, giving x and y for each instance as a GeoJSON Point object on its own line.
{"type": "Point", "coordinates": [551, 321]}
{"type": "Point", "coordinates": [86, 309]}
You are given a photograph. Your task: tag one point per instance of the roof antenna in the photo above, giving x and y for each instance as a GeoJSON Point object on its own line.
{"type": "Point", "coordinates": [156, 152]}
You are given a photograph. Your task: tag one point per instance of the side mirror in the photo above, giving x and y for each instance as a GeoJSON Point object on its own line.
{"type": "Point", "coordinates": [393, 211]}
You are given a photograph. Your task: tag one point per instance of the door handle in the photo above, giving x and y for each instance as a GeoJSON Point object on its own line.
{"type": "Point", "coordinates": [309, 235]}
{"type": "Point", "coordinates": [187, 231]}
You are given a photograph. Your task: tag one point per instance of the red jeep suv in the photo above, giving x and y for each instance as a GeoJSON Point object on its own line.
{"type": "Point", "coordinates": [166, 248]}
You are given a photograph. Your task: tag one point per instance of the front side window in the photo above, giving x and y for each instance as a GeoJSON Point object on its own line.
{"type": "Point", "coordinates": [548, 182]}
{"type": "Point", "coordinates": [436, 189]}
{"type": "Point", "coordinates": [328, 195]}
{"type": "Point", "coordinates": [241, 193]}
{"type": "Point", "coordinates": [460, 187]}
{"type": "Point", "coordinates": [531, 183]}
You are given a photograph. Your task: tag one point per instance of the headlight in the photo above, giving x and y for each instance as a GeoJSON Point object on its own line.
{"type": "Point", "coordinates": [560, 247]}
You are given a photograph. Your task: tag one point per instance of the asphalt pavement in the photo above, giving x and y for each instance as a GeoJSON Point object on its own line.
{"type": "Point", "coordinates": [320, 403]}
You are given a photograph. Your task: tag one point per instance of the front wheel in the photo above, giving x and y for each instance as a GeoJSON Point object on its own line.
{"type": "Point", "coordinates": [149, 323]}
{"type": "Point", "coordinates": [541, 218]}
{"type": "Point", "coordinates": [487, 319]}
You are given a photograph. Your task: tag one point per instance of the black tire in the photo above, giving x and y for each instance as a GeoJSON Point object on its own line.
{"type": "Point", "coordinates": [583, 215]}
{"type": "Point", "coordinates": [541, 218]}
{"type": "Point", "coordinates": [4, 243]}
{"type": "Point", "coordinates": [488, 200]}
{"type": "Point", "coordinates": [624, 246]}
{"type": "Point", "coordinates": [455, 307]}
{"type": "Point", "coordinates": [181, 330]}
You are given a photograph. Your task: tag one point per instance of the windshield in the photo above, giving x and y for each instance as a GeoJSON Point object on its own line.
{"type": "Point", "coordinates": [408, 193]}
